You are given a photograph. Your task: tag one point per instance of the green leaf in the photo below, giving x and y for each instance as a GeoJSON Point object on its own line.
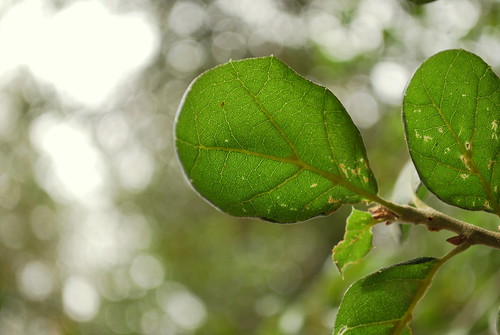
{"type": "Point", "coordinates": [357, 240]}
{"type": "Point", "coordinates": [383, 302]}
{"type": "Point", "coordinates": [257, 139]}
{"type": "Point", "coordinates": [451, 115]}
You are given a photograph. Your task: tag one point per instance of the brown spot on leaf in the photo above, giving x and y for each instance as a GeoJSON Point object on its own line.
{"type": "Point", "coordinates": [344, 170]}
{"type": "Point", "coordinates": [465, 160]}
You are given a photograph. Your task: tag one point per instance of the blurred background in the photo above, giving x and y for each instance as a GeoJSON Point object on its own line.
{"type": "Point", "coordinates": [101, 234]}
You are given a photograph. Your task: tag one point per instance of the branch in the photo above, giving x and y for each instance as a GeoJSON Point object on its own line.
{"type": "Point", "coordinates": [435, 221]}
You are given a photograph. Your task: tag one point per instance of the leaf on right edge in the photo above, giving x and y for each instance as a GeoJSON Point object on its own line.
{"type": "Point", "coordinates": [383, 302]}
{"type": "Point", "coordinates": [451, 114]}
{"type": "Point", "coordinates": [357, 240]}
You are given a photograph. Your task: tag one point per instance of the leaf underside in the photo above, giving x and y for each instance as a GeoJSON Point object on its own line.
{"type": "Point", "coordinates": [406, 186]}
{"type": "Point", "coordinates": [357, 240]}
{"type": "Point", "coordinates": [256, 139]}
{"type": "Point", "coordinates": [406, 189]}
{"type": "Point", "coordinates": [382, 302]}
{"type": "Point", "coordinates": [451, 115]}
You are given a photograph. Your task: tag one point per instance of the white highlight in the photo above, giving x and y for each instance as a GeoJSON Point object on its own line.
{"type": "Point", "coordinates": [84, 50]}
{"type": "Point", "coordinates": [182, 307]}
{"type": "Point", "coordinates": [71, 168]}
{"type": "Point", "coordinates": [389, 80]}
{"type": "Point", "coordinates": [147, 271]}
{"type": "Point", "coordinates": [80, 299]}
{"type": "Point", "coordinates": [36, 280]}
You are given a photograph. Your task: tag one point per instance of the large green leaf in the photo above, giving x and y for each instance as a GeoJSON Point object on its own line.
{"type": "Point", "coordinates": [357, 240]}
{"type": "Point", "coordinates": [256, 139]}
{"type": "Point", "coordinates": [383, 302]}
{"type": "Point", "coordinates": [451, 114]}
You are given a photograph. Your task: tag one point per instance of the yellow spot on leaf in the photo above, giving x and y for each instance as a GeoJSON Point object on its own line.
{"type": "Point", "coordinates": [344, 170]}
{"type": "Point", "coordinates": [314, 185]}
{"type": "Point", "coordinates": [465, 161]}
{"type": "Point", "coordinates": [490, 164]}
{"type": "Point", "coordinates": [427, 138]}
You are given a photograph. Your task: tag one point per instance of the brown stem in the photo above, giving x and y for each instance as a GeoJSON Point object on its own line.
{"type": "Point", "coordinates": [435, 221]}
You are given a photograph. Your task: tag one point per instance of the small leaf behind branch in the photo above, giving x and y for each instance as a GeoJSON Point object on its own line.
{"type": "Point", "coordinates": [406, 186]}
{"type": "Point", "coordinates": [357, 240]}
{"type": "Point", "coordinates": [404, 192]}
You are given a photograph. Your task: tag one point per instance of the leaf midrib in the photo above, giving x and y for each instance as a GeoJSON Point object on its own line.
{"type": "Point", "coordinates": [295, 160]}
{"type": "Point", "coordinates": [262, 108]}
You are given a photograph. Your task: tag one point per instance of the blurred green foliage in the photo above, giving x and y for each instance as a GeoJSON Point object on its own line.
{"type": "Point", "coordinates": [147, 256]}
